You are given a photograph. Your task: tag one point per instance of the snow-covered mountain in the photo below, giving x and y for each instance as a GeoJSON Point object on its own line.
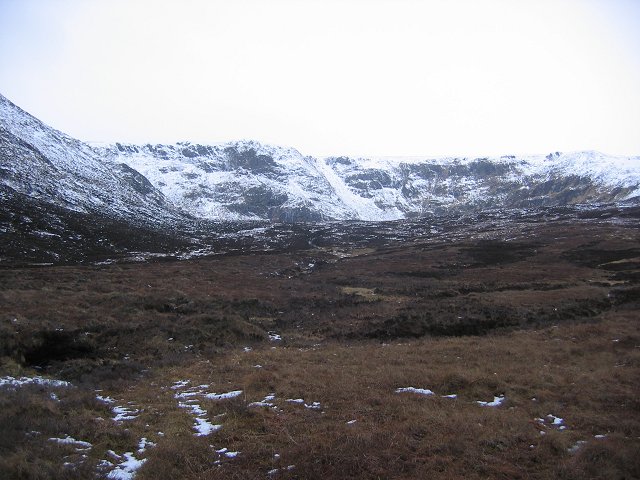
{"type": "Point", "coordinates": [46, 165]}
{"type": "Point", "coordinates": [247, 181]}
{"type": "Point", "coordinates": [63, 200]}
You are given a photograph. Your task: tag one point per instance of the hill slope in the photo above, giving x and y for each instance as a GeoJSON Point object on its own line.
{"type": "Point", "coordinates": [62, 202]}
{"type": "Point", "coordinates": [47, 165]}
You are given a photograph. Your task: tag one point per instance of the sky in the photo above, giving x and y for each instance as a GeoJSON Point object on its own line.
{"type": "Point", "coordinates": [332, 77]}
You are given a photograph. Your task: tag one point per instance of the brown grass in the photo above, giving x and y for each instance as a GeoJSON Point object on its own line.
{"type": "Point", "coordinates": [551, 329]}
{"type": "Point", "coordinates": [572, 372]}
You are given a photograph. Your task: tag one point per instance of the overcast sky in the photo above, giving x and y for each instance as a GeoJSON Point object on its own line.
{"type": "Point", "coordinates": [357, 77]}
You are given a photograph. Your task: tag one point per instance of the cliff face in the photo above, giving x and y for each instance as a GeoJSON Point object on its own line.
{"type": "Point", "coordinates": [251, 181]}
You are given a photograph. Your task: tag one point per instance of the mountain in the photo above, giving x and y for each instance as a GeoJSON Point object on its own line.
{"type": "Point", "coordinates": [247, 180]}
{"type": "Point", "coordinates": [63, 202]}
{"type": "Point", "coordinates": [47, 165]}
{"type": "Point", "coordinates": [240, 181]}
{"type": "Point", "coordinates": [67, 201]}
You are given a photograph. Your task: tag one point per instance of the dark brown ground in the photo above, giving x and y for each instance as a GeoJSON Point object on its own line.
{"type": "Point", "coordinates": [563, 272]}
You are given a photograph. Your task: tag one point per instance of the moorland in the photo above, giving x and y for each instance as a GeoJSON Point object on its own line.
{"type": "Point", "coordinates": [503, 348]}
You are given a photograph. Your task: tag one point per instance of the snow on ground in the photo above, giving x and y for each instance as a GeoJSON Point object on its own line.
{"type": "Point", "coordinates": [124, 413]}
{"type": "Point", "coordinates": [497, 401]}
{"type": "Point", "coordinates": [68, 440]}
{"type": "Point", "coordinates": [143, 444]}
{"type": "Point", "coordinates": [188, 399]}
{"type": "Point", "coordinates": [41, 381]}
{"type": "Point", "coordinates": [553, 421]}
{"type": "Point", "coordinates": [267, 401]}
{"type": "Point", "coordinates": [423, 391]}
{"type": "Point", "coordinates": [201, 425]}
{"type": "Point", "coordinates": [419, 391]}
{"type": "Point", "coordinates": [227, 453]}
{"type": "Point", "coordinates": [129, 464]}
{"type": "Point", "coordinates": [180, 384]}
{"type": "Point", "coordinates": [274, 471]}
{"type": "Point", "coordinates": [127, 468]}
{"type": "Point", "coordinates": [223, 396]}
{"type": "Point", "coordinates": [105, 399]}
{"type": "Point", "coordinates": [362, 208]}
{"type": "Point", "coordinates": [204, 427]}
{"type": "Point", "coordinates": [300, 401]}
{"type": "Point", "coordinates": [121, 413]}
{"type": "Point", "coordinates": [577, 446]}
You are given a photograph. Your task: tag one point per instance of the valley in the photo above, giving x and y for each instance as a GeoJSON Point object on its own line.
{"type": "Point", "coordinates": [244, 311]}
{"type": "Point", "coordinates": [503, 345]}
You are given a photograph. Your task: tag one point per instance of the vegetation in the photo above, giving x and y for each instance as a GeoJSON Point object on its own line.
{"type": "Point", "coordinates": [544, 324]}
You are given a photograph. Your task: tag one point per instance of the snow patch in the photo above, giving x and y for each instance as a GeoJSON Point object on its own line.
{"type": "Point", "coordinates": [497, 401]}
{"type": "Point", "coordinates": [180, 384]}
{"type": "Point", "coordinates": [300, 401]}
{"type": "Point", "coordinates": [68, 440]}
{"type": "Point", "coordinates": [189, 400]}
{"type": "Point", "coordinates": [419, 391]}
{"type": "Point", "coordinates": [223, 396]}
{"type": "Point", "coordinates": [143, 444]}
{"type": "Point", "coordinates": [127, 468]}
{"type": "Point", "coordinates": [553, 421]}
{"type": "Point", "coordinates": [23, 381]}
{"type": "Point", "coordinates": [124, 413]}
{"type": "Point", "coordinates": [267, 401]}
{"type": "Point", "coordinates": [204, 427]}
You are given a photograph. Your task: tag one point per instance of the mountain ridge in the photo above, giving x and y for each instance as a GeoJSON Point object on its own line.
{"type": "Point", "coordinates": [64, 201]}
{"type": "Point", "coordinates": [165, 184]}
{"type": "Point", "coordinates": [247, 180]}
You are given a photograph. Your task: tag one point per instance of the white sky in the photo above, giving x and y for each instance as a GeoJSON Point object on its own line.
{"type": "Point", "coordinates": [355, 77]}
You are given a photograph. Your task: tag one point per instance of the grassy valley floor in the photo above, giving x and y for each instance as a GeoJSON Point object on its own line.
{"type": "Point", "coordinates": [480, 356]}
